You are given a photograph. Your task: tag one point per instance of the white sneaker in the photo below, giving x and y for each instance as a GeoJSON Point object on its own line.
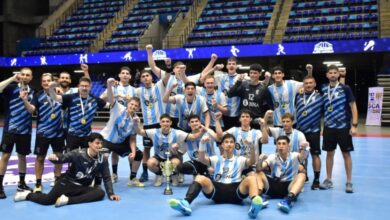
{"type": "Point", "coordinates": [61, 201]}
{"type": "Point", "coordinates": [135, 182]}
{"type": "Point", "coordinates": [175, 180]}
{"type": "Point", "coordinates": [114, 178]}
{"type": "Point", "coordinates": [158, 180]}
{"type": "Point", "coordinates": [21, 195]}
{"type": "Point", "coordinates": [181, 178]}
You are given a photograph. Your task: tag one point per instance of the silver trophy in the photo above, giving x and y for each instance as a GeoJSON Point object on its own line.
{"type": "Point", "coordinates": [167, 168]}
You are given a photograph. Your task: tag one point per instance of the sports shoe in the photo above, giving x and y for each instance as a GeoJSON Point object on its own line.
{"type": "Point", "coordinates": [114, 178]}
{"type": "Point", "coordinates": [256, 206]}
{"type": "Point", "coordinates": [21, 195]}
{"type": "Point", "coordinates": [135, 182]}
{"type": "Point", "coordinates": [23, 187]}
{"type": "Point", "coordinates": [144, 176]}
{"type": "Point", "coordinates": [265, 201]}
{"type": "Point", "coordinates": [180, 205]}
{"type": "Point", "coordinates": [53, 183]}
{"type": "Point", "coordinates": [181, 178]}
{"type": "Point", "coordinates": [315, 185]}
{"type": "Point", "coordinates": [327, 184]}
{"type": "Point", "coordinates": [38, 189]}
{"type": "Point", "coordinates": [175, 180]}
{"type": "Point", "coordinates": [285, 205]}
{"type": "Point", "coordinates": [158, 180]}
{"type": "Point", "coordinates": [61, 201]}
{"type": "Point", "coordinates": [348, 188]}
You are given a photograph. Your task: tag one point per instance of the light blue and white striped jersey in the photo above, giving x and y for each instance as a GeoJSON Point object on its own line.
{"type": "Point", "coordinates": [228, 170]}
{"type": "Point", "coordinates": [123, 91]}
{"type": "Point", "coordinates": [253, 135]}
{"type": "Point", "coordinates": [308, 116]}
{"type": "Point", "coordinates": [341, 115]}
{"type": "Point", "coordinates": [49, 116]}
{"type": "Point", "coordinates": [151, 102]}
{"type": "Point", "coordinates": [284, 170]}
{"type": "Point", "coordinates": [171, 109]}
{"type": "Point", "coordinates": [218, 96]}
{"type": "Point", "coordinates": [17, 119]}
{"type": "Point", "coordinates": [163, 142]}
{"type": "Point", "coordinates": [79, 122]}
{"type": "Point", "coordinates": [296, 137]}
{"type": "Point", "coordinates": [192, 148]}
{"type": "Point", "coordinates": [283, 98]}
{"type": "Point", "coordinates": [197, 107]}
{"type": "Point", "coordinates": [224, 81]}
{"type": "Point", "coordinates": [120, 125]}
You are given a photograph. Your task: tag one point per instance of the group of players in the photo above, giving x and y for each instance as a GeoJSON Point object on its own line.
{"type": "Point", "coordinates": [231, 111]}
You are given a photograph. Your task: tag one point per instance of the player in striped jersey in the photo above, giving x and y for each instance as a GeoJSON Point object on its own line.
{"type": "Point", "coordinates": [340, 123]}
{"type": "Point", "coordinates": [188, 104]}
{"type": "Point", "coordinates": [49, 128]}
{"type": "Point", "coordinates": [283, 94]}
{"type": "Point", "coordinates": [17, 125]}
{"type": "Point", "coordinates": [119, 133]}
{"type": "Point", "coordinates": [227, 185]}
{"type": "Point", "coordinates": [82, 107]}
{"type": "Point", "coordinates": [164, 139]}
{"type": "Point", "coordinates": [216, 101]}
{"type": "Point", "coordinates": [285, 178]}
{"type": "Point", "coordinates": [123, 91]}
{"type": "Point", "coordinates": [309, 112]}
{"type": "Point", "coordinates": [193, 166]}
{"type": "Point", "coordinates": [152, 108]}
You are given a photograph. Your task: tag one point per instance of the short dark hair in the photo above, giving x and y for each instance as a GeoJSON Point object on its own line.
{"type": "Point", "coordinates": [283, 137]}
{"type": "Point", "coordinates": [332, 67]}
{"type": "Point", "coordinates": [134, 98]}
{"type": "Point", "coordinates": [85, 79]}
{"type": "Point", "coordinates": [256, 67]}
{"type": "Point", "coordinates": [192, 116]}
{"type": "Point", "coordinates": [165, 115]}
{"type": "Point", "coordinates": [93, 136]}
{"type": "Point", "coordinates": [190, 83]}
{"type": "Point", "coordinates": [228, 136]}
{"type": "Point", "coordinates": [309, 77]}
{"type": "Point", "coordinates": [288, 115]}
{"type": "Point", "coordinates": [126, 68]}
{"type": "Point", "coordinates": [276, 68]}
{"type": "Point", "coordinates": [144, 71]}
{"type": "Point", "coordinates": [245, 111]}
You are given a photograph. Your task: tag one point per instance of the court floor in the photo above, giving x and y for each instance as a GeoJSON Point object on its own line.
{"type": "Point", "coordinates": [371, 175]}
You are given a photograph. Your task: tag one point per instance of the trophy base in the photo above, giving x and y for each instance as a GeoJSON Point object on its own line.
{"type": "Point", "coordinates": [168, 191]}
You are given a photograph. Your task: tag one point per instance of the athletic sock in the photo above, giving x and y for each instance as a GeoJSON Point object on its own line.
{"type": "Point", "coordinates": [22, 178]}
{"type": "Point", "coordinates": [291, 196]}
{"type": "Point", "coordinates": [1, 181]}
{"type": "Point", "coordinates": [193, 191]}
{"type": "Point", "coordinates": [316, 176]}
{"type": "Point", "coordinates": [38, 183]}
{"type": "Point", "coordinates": [133, 175]}
{"type": "Point", "coordinates": [115, 168]}
{"type": "Point", "coordinates": [145, 167]}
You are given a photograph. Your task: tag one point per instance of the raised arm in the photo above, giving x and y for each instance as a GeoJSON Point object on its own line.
{"type": "Point", "coordinates": [167, 95]}
{"type": "Point", "coordinates": [264, 131]}
{"type": "Point", "coordinates": [209, 68]}
{"type": "Point", "coordinates": [24, 96]}
{"type": "Point", "coordinates": [110, 93]}
{"type": "Point", "coordinates": [218, 127]}
{"type": "Point", "coordinates": [52, 92]}
{"type": "Point", "coordinates": [8, 81]}
{"type": "Point", "coordinates": [85, 69]}
{"type": "Point", "coordinates": [236, 89]}
{"type": "Point", "coordinates": [151, 62]}
{"type": "Point", "coordinates": [138, 128]}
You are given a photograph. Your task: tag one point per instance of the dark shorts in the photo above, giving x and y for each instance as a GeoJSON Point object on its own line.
{"type": "Point", "coordinates": [226, 193]}
{"type": "Point", "coordinates": [159, 159]}
{"type": "Point", "coordinates": [74, 142]}
{"type": "Point", "coordinates": [334, 136]}
{"type": "Point", "coordinates": [199, 168]}
{"type": "Point", "coordinates": [147, 142]}
{"type": "Point", "coordinates": [123, 149]}
{"type": "Point", "coordinates": [22, 142]}
{"type": "Point", "coordinates": [277, 188]}
{"type": "Point", "coordinates": [42, 145]}
{"type": "Point", "coordinates": [248, 170]}
{"type": "Point", "coordinates": [314, 139]}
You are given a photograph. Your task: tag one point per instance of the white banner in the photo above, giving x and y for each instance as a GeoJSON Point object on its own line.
{"type": "Point", "coordinates": [374, 108]}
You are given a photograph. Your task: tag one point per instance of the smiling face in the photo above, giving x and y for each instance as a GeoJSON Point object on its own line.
{"type": "Point", "coordinates": [309, 84]}
{"type": "Point", "coordinates": [209, 84]}
{"type": "Point", "coordinates": [194, 124]}
{"type": "Point", "coordinates": [231, 66]}
{"type": "Point", "coordinates": [190, 91]}
{"type": "Point", "coordinates": [124, 77]}
{"type": "Point", "coordinates": [254, 75]}
{"type": "Point", "coordinates": [165, 124]}
{"type": "Point", "coordinates": [95, 146]}
{"type": "Point", "coordinates": [84, 88]}
{"type": "Point", "coordinates": [64, 80]}
{"type": "Point", "coordinates": [278, 76]}
{"type": "Point", "coordinates": [45, 80]}
{"type": "Point", "coordinates": [133, 106]}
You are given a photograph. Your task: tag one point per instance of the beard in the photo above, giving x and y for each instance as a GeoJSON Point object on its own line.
{"type": "Point", "coordinates": [64, 84]}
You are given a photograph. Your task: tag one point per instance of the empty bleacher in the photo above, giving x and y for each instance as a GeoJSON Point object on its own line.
{"type": "Point", "coordinates": [332, 20]}
{"type": "Point", "coordinates": [232, 22]}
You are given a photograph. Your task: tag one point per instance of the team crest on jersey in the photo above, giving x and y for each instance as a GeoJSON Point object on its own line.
{"type": "Point", "coordinates": [237, 146]}
{"type": "Point", "coordinates": [163, 147]}
{"type": "Point", "coordinates": [195, 154]}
